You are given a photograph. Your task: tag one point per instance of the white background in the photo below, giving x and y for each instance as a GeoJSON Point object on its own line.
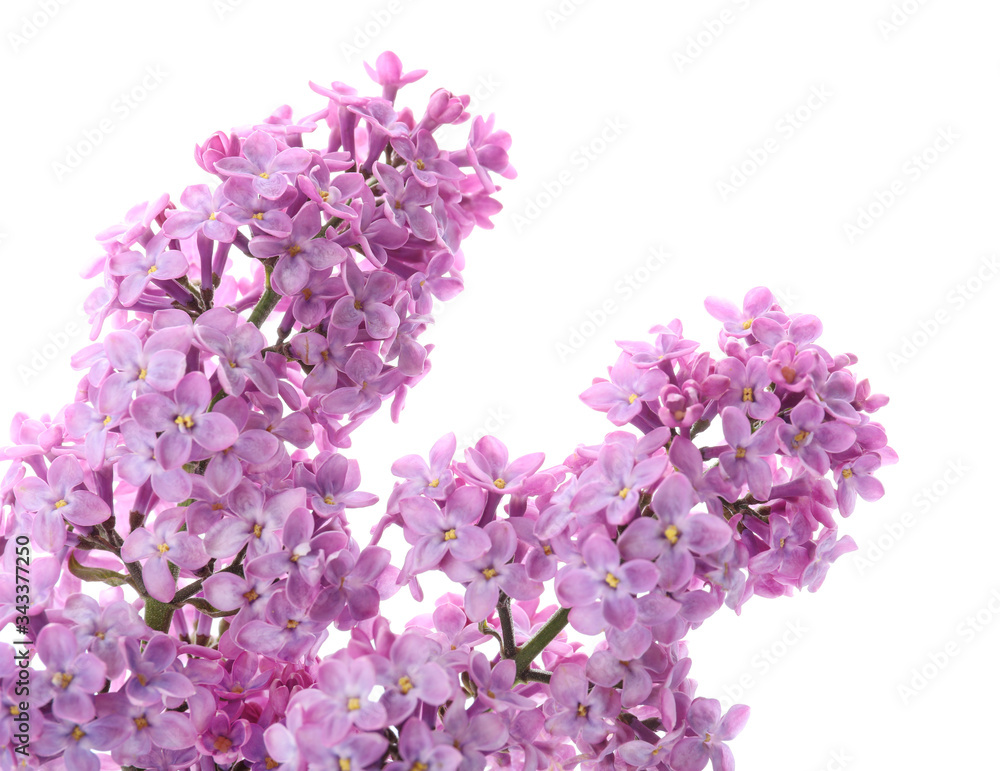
{"type": "Point", "coordinates": [667, 99]}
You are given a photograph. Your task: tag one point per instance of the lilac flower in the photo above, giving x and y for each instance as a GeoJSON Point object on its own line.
{"type": "Point", "coordinates": [159, 547]}
{"type": "Point", "coordinates": [616, 490]}
{"type": "Point", "coordinates": [184, 420]}
{"type": "Point", "coordinates": [487, 466]}
{"type": "Point", "coordinates": [413, 676]}
{"type": "Point", "coordinates": [333, 487]}
{"type": "Point", "coordinates": [371, 385]}
{"type": "Point", "coordinates": [253, 446]}
{"type": "Point", "coordinates": [138, 269]}
{"type": "Point", "coordinates": [82, 420]}
{"type": "Point", "coordinates": [621, 663]}
{"type": "Point", "coordinates": [744, 464]}
{"type": "Point", "coordinates": [747, 387]}
{"type": "Point", "coordinates": [172, 485]}
{"type": "Point", "coordinates": [71, 677]}
{"type": "Point", "coordinates": [158, 363]}
{"type": "Point", "coordinates": [365, 302]}
{"type": "Point", "coordinates": [423, 159]}
{"type": "Point", "coordinates": [245, 208]}
{"type": "Point", "coordinates": [75, 740]}
{"type": "Point", "coordinates": [372, 231]}
{"type": "Point", "coordinates": [263, 163]}
{"type": "Point", "coordinates": [737, 322]}
{"type": "Point", "coordinates": [789, 368]}
{"type": "Point", "coordinates": [584, 714]}
{"type": "Point", "coordinates": [332, 194]}
{"type": "Point", "coordinates": [203, 215]}
{"type": "Point", "coordinates": [227, 591]}
{"type": "Point", "coordinates": [485, 576]}
{"type": "Point", "coordinates": [424, 286]}
{"type": "Point", "coordinates": [809, 439]}
{"type": "Point", "coordinates": [417, 749]}
{"type": "Point", "coordinates": [149, 725]}
{"type": "Point", "coordinates": [357, 752]}
{"type": "Point", "coordinates": [326, 355]}
{"type": "Point", "coordinates": [298, 560]}
{"type": "Point", "coordinates": [602, 592]}
{"type": "Point", "coordinates": [854, 479]}
{"type": "Point", "coordinates": [349, 687]}
{"type": "Point", "coordinates": [287, 633]}
{"type": "Point", "coordinates": [388, 73]}
{"type": "Point", "coordinates": [238, 345]}
{"type": "Point", "coordinates": [787, 556]}
{"type": "Point", "coordinates": [669, 345]}
{"type": "Point", "coordinates": [676, 535]}
{"type": "Point", "coordinates": [221, 738]}
{"type": "Point", "coordinates": [100, 630]}
{"type": "Point", "coordinates": [57, 500]}
{"type": "Point", "coordinates": [472, 735]}
{"type": "Point", "coordinates": [711, 729]}
{"type": "Point", "coordinates": [299, 251]}
{"type": "Point", "coordinates": [152, 676]}
{"type": "Point", "coordinates": [405, 202]}
{"type": "Point", "coordinates": [434, 480]}
{"type": "Point", "coordinates": [828, 549]}
{"type": "Point", "coordinates": [495, 684]}
{"type": "Point", "coordinates": [453, 531]}
{"type": "Point", "coordinates": [622, 397]}
{"type": "Point", "coordinates": [835, 394]}
{"type": "Point", "coordinates": [254, 523]}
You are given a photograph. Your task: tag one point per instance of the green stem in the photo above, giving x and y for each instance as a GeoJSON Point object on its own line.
{"type": "Point", "coordinates": [267, 300]}
{"type": "Point", "coordinates": [506, 627]}
{"type": "Point", "coordinates": [543, 637]}
{"type": "Point", "coordinates": [158, 615]}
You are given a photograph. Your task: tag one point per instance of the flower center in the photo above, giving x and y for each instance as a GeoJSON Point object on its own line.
{"type": "Point", "coordinates": [140, 722]}
{"type": "Point", "coordinates": [632, 398]}
{"type": "Point", "coordinates": [344, 764]}
{"type": "Point", "coordinates": [353, 704]}
{"type": "Point", "coordinates": [748, 323]}
{"type": "Point", "coordinates": [258, 216]}
{"type": "Point", "coordinates": [270, 762]}
{"type": "Point", "coordinates": [292, 623]}
{"type": "Point", "coordinates": [185, 421]}
{"type": "Point", "coordinates": [60, 504]}
{"type": "Point", "coordinates": [581, 710]}
{"type": "Point", "coordinates": [489, 573]}
{"type": "Point", "coordinates": [107, 419]}
{"type": "Point", "coordinates": [748, 394]}
{"type": "Point", "coordinates": [672, 534]}
{"type": "Point", "coordinates": [434, 483]}
{"type": "Point", "coordinates": [152, 270]}
{"type": "Point", "coordinates": [500, 484]}
{"type": "Point", "coordinates": [163, 548]}
{"type": "Point", "coordinates": [611, 580]}
{"type": "Point", "coordinates": [741, 452]}
{"type": "Point", "coordinates": [251, 595]}
{"type": "Point", "coordinates": [62, 679]}
{"type": "Point", "coordinates": [265, 175]}
{"type": "Point", "coordinates": [77, 733]}
{"type": "Point", "coordinates": [450, 535]}
{"type": "Point", "coordinates": [405, 684]}
{"type": "Point", "coordinates": [294, 249]}
{"type": "Point", "coordinates": [788, 373]}
{"type": "Point", "coordinates": [847, 473]}
{"type": "Point", "coordinates": [419, 163]}
{"type": "Point", "coordinates": [328, 500]}
{"type": "Point", "coordinates": [257, 530]}
{"type": "Point", "coordinates": [222, 743]}
{"type": "Point", "coordinates": [623, 493]}
{"type": "Point", "coordinates": [799, 438]}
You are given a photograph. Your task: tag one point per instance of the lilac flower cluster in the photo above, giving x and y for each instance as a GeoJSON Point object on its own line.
{"type": "Point", "coordinates": [200, 475]}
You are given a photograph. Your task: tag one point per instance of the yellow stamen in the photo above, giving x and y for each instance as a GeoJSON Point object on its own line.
{"type": "Point", "coordinates": [847, 473]}
{"type": "Point", "coordinates": [748, 323]}
{"type": "Point", "coordinates": [270, 762]}
{"type": "Point", "coordinates": [489, 573]}
{"type": "Point", "coordinates": [632, 398]}
{"type": "Point", "coordinates": [799, 438]}
{"type": "Point", "coordinates": [611, 580]}
{"type": "Point", "coordinates": [345, 764]}
{"type": "Point", "coordinates": [257, 530]}
{"type": "Point", "coordinates": [325, 195]}
{"type": "Point", "coordinates": [107, 419]}
{"type": "Point", "coordinates": [672, 534]}
{"type": "Point", "coordinates": [60, 504]}
{"type": "Point", "coordinates": [741, 452]}
{"type": "Point", "coordinates": [62, 679]}
{"type": "Point", "coordinates": [292, 623]}
{"type": "Point", "coordinates": [405, 684]}
{"type": "Point", "coordinates": [353, 704]}
{"type": "Point", "coordinates": [294, 558]}
{"type": "Point", "coordinates": [623, 493]}
{"type": "Point", "coordinates": [77, 733]}
{"type": "Point", "coordinates": [141, 678]}
{"type": "Point", "coordinates": [357, 305]}
{"type": "Point", "coordinates": [295, 249]}
{"type": "Point", "coordinates": [142, 374]}
{"type": "Point", "coordinates": [265, 175]}
{"type": "Point", "coordinates": [328, 500]}
{"type": "Point", "coordinates": [258, 216]}
{"type": "Point", "coordinates": [781, 544]}
{"type": "Point", "coordinates": [251, 595]}
{"type": "Point", "coordinates": [547, 549]}
{"type": "Point", "coordinates": [418, 766]}
{"type": "Point", "coordinates": [184, 421]}
{"type": "Point", "coordinates": [212, 216]}
{"type": "Point", "coordinates": [434, 483]}
{"type": "Point", "coordinates": [222, 744]}
{"type": "Point", "coordinates": [581, 710]}
{"type": "Point", "coordinates": [237, 689]}
{"type": "Point", "coordinates": [450, 535]}
{"type": "Point", "coordinates": [14, 710]}
{"type": "Point", "coordinates": [748, 394]}
{"type": "Point", "coordinates": [163, 548]}
{"type": "Point", "coordinates": [140, 722]}
{"type": "Point", "coordinates": [99, 635]}
{"type": "Point", "coordinates": [217, 506]}
{"type": "Point", "coordinates": [500, 484]}
{"type": "Point", "coordinates": [419, 163]}
{"type": "Point", "coordinates": [152, 270]}
{"type": "Point", "coordinates": [307, 293]}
